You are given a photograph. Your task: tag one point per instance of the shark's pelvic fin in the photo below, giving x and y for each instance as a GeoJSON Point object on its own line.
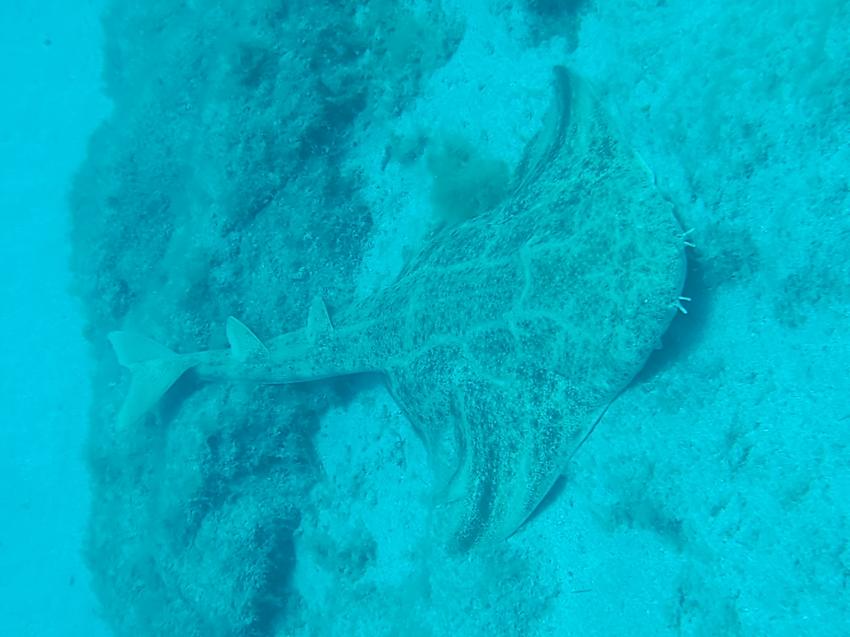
{"type": "Point", "coordinates": [318, 321]}
{"type": "Point", "coordinates": [154, 368]}
{"type": "Point", "coordinates": [244, 344]}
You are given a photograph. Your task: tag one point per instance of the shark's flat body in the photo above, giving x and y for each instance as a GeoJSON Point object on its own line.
{"type": "Point", "coordinates": [507, 336]}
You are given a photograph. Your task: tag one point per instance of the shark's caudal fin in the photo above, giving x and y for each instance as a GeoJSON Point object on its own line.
{"type": "Point", "coordinates": [154, 369]}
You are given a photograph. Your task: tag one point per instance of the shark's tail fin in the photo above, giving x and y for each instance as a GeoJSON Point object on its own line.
{"type": "Point", "coordinates": [154, 369]}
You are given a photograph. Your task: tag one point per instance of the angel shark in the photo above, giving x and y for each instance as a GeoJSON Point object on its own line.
{"type": "Point", "coordinates": [506, 337]}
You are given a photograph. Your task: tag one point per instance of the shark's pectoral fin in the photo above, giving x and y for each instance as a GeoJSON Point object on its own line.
{"type": "Point", "coordinates": [244, 344]}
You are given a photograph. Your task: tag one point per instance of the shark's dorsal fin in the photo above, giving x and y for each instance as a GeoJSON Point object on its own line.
{"type": "Point", "coordinates": [243, 342]}
{"type": "Point", "coordinates": [318, 322]}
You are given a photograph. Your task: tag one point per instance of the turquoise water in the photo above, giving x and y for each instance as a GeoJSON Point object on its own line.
{"type": "Point", "coordinates": [172, 164]}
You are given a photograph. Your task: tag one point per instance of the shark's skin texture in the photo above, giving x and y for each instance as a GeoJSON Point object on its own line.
{"type": "Point", "coordinates": [507, 337]}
